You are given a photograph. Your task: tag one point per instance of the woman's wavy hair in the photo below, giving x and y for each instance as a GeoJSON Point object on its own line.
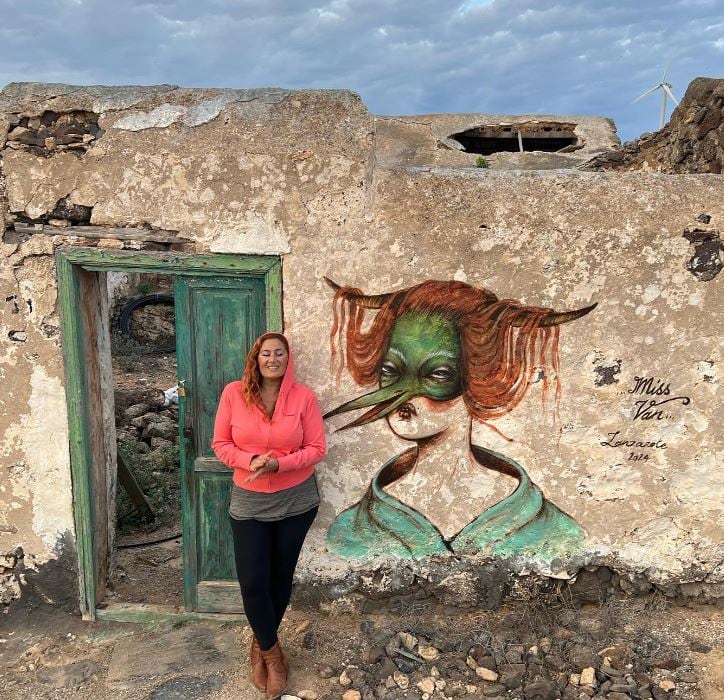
{"type": "Point", "coordinates": [505, 344]}
{"type": "Point", "coordinates": [251, 377]}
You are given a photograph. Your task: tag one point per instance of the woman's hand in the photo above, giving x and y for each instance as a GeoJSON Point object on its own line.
{"type": "Point", "coordinates": [259, 461]}
{"type": "Point", "coordinates": [269, 465]}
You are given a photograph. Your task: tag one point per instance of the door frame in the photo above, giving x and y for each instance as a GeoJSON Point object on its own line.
{"type": "Point", "coordinates": [89, 387]}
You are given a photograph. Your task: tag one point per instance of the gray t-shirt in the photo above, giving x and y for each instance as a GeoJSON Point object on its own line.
{"type": "Point", "coordinates": [253, 505]}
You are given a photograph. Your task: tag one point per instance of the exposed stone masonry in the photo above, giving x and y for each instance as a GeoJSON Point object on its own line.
{"type": "Point", "coordinates": [692, 141]}
{"type": "Point", "coordinates": [51, 132]}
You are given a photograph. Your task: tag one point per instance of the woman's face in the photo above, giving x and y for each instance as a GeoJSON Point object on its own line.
{"type": "Point", "coordinates": [273, 359]}
{"type": "Point", "coordinates": [423, 359]}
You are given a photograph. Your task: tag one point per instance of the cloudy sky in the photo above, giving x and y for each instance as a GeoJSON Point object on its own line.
{"type": "Point", "coordinates": [401, 56]}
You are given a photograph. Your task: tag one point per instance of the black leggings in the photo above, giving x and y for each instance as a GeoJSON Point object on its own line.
{"type": "Point", "coordinates": [266, 555]}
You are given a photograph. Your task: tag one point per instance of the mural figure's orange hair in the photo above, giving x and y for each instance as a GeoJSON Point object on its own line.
{"type": "Point", "coordinates": [505, 345]}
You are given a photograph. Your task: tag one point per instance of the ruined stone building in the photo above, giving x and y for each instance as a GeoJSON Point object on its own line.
{"type": "Point", "coordinates": [547, 444]}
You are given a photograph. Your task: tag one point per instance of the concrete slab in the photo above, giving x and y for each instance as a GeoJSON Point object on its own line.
{"type": "Point", "coordinates": [178, 651]}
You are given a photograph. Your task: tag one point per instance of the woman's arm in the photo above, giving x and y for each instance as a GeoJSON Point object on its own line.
{"type": "Point", "coordinates": [222, 444]}
{"type": "Point", "coordinates": [314, 444]}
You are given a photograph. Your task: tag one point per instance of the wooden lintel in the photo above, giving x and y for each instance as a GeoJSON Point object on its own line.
{"type": "Point", "coordinates": [122, 234]}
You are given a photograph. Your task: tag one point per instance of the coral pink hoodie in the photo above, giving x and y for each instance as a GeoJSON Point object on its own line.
{"type": "Point", "coordinates": [295, 434]}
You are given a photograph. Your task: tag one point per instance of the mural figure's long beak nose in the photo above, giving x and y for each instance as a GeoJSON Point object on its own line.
{"type": "Point", "coordinates": [383, 401]}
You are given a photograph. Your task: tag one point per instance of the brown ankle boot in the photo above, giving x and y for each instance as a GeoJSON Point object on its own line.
{"type": "Point", "coordinates": [258, 667]}
{"type": "Point", "coordinates": [277, 669]}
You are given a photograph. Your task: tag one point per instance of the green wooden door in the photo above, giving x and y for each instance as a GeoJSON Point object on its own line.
{"type": "Point", "coordinates": [217, 320]}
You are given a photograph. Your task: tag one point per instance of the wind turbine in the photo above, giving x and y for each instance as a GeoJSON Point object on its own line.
{"type": "Point", "coordinates": [665, 90]}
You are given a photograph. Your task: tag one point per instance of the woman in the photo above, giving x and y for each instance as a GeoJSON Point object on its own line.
{"type": "Point", "coordinates": [269, 430]}
{"type": "Point", "coordinates": [443, 354]}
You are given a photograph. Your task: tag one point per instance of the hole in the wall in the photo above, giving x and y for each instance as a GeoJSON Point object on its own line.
{"type": "Point", "coordinates": [51, 132]}
{"type": "Point", "coordinates": [65, 213]}
{"type": "Point", "coordinates": [13, 298]}
{"type": "Point", "coordinates": [75, 213]}
{"type": "Point", "coordinates": [534, 136]}
{"type": "Point", "coordinates": [706, 263]}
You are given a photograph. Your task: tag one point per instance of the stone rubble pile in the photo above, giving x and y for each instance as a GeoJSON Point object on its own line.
{"type": "Point", "coordinates": [401, 665]}
{"type": "Point", "coordinates": [10, 574]}
{"type": "Point", "coordinates": [692, 141]}
{"type": "Point", "coordinates": [155, 427]}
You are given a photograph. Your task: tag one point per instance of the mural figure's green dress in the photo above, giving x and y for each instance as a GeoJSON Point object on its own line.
{"type": "Point", "coordinates": [522, 524]}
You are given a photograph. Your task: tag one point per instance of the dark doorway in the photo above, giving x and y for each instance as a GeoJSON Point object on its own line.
{"type": "Point", "coordinates": [148, 565]}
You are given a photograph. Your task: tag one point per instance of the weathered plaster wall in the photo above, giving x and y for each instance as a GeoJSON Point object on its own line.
{"type": "Point", "coordinates": [298, 174]}
{"type": "Point", "coordinates": [35, 491]}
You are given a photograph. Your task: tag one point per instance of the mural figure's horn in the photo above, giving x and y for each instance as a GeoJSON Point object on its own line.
{"type": "Point", "coordinates": [555, 318]}
{"type": "Point", "coordinates": [373, 301]}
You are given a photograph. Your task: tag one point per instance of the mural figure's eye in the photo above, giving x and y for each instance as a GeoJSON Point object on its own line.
{"type": "Point", "coordinates": [442, 374]}
{"type": "Point", "coordinates": [389, 369]}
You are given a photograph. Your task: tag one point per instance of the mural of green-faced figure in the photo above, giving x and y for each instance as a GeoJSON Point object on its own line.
{"type": "Point", "coordinates": [441, 355]}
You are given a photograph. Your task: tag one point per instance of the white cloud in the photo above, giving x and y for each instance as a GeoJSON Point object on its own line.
{"type": "Point", "coordinates": [402, 56]}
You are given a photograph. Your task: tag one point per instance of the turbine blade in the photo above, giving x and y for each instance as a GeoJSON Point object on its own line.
{"type": "Point", "coordinates": [648, 92]}
{"type": "Point", "coordinates": [666, 70]}
{"type": "Point", "coordinates": [670, 94]}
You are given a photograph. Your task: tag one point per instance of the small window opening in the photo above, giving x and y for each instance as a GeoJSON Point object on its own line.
{"type": "Point", "coordinates": [527, 136]}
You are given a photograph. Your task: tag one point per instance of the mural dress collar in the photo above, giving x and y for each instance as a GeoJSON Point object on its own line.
{"type": "Point", "coordinates": [523, 523]}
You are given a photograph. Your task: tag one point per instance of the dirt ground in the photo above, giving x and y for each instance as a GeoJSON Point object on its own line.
{"type": "Point", "coordinates": [537, 652]}
{"type": "Point", "coordinates": [154, 573]}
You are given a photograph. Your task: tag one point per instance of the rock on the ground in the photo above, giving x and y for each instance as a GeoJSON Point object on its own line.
{"type": "Point", "coordinates": [373, 654]}
{"type": "Point", "coordinates": [344, 679]}
{"type": "Point", "coordinates": [137, 410]}
{"type": "Point", "coordinates": [409, 641]}
{"type": "Point", "coordinates": [486, 674]}
{"type": "Point", "coordinates": [68, 676]}
{"type": "Point", "coordinates": [187, 688]}
{"type": "Point", "coordinates": [588, 677]}
{"type": "Point", "coordinates": [428, 653]}
{"type": "Point", "coordinates": [162, 428]}
{"type": "Point", "coordinates": [581, 656]}
{"type": "Point", "coordinates": [401, 679]}
{"type": "Point", "coordinates": [511, 675]}
{"type": "Point", "coordinates": [541, 689]}
{"type": "Point", "coordinates": [307, 694]}
{"type": "Point", "coordinates": [427, 685]}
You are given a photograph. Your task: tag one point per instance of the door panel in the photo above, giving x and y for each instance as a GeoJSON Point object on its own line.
{"type": "Point", "coordinates": [217, 319]}
{"type": "Point", "coordinates": [217, 562]}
